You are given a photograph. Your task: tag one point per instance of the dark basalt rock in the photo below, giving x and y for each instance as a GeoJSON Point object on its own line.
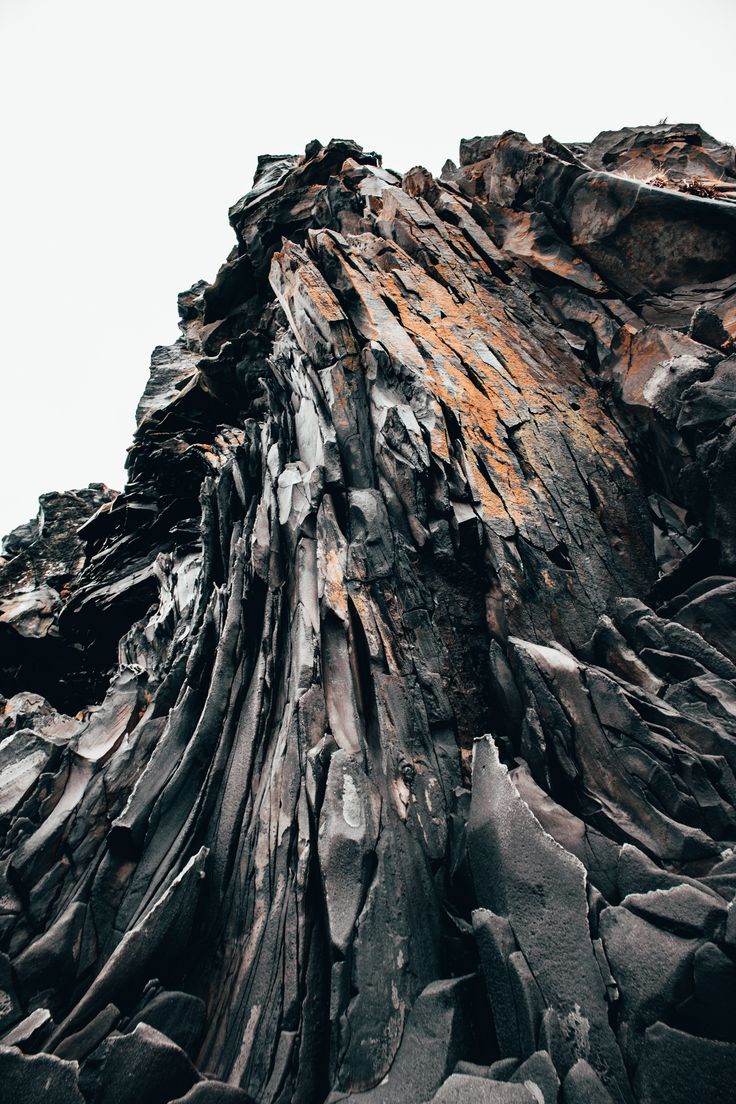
{"type": "Point", "coordinates": [40, 565]}
{"type": "Point", "coordinates": [582, 1085]}
{"type": "Point", "coordinates": [144, 1065]}
{"type": "Point", "coordinates": [379, 740]}
{"type": "Point", "coordinates": [179, 1016]}
{"type": "Point", "coordinates": [28, 1079]}
{"type": "Point", "coordinates": [677, 1068]}
{"type": "Point", "coordinates": [461, 1089]}
{"type": "Point", "coordinates": [539, 1071]}
{"type": "Point", "coordinates": [214, 1092]}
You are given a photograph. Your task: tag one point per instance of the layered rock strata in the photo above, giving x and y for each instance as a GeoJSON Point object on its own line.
{"type": "Point", "coordinates": [379, 740]}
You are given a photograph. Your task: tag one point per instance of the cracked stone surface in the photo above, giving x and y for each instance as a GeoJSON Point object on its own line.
{"type": "Point", "coordinates": [379, 739]}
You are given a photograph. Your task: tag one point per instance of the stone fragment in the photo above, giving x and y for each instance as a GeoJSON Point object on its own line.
{"type": "Point", "coordinates": [683, 909]}
{"type": "Point", "coordinates": [707, 327]}
{"type": "Point", "coordinates": [179, 1016]}
{"type": "Point", "coordinates": [31, 1033]}
{"type": "Point", "coordinates": [519, 870]}
{"type": "Point", "coordinates": [496, 943]}
{"type": "Point", "coordinates": [28, 1079]}
{"type": "Point", "coordinates": [348, 832]}
{"type": "Point", "coordinates": [502, 1069]}
{"type": "Point", "coordinates": [23, 758]}
{"type": "Point", "coordinates": [436, 1034]}
{"type": "Point", "coordinates": [461, 1089]}
{"type": "Point", "coordinates": [214, 1092]}
{"type": "Point", "coordinates": [676, 1068]}
{"type": "Point", "coordinates": [143, 1065]}
{"type": "Point", "coordinates": [473, 1069]}
{"type": "Point", "coordinates": [538, 1071]}
{"type": "Point", "coordinates": [81, 1043]}
{"type": "Point", "coordinates": [582, 1085]}
{"type": "Point", "coordinates": [652, 968]}
{"type": "Point", "coordinates": [714, 978]}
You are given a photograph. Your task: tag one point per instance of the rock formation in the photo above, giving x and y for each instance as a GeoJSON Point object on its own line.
{"type": "Point", "coordinates": [379, 740]}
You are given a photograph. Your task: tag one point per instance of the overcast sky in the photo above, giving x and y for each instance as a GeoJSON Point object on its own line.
{"type": "Point", "coordinates": [129, 128]}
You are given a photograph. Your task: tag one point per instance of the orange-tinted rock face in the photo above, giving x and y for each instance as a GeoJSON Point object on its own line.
{"type": "Point", "coordinates": [403, 754]}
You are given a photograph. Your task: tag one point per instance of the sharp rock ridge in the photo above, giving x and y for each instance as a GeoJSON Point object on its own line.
{"type": "Point", "coordinates": [378, 741]}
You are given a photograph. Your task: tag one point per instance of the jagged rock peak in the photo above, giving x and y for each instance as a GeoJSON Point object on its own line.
{"type": "Point", "coordinates": [378, 741]}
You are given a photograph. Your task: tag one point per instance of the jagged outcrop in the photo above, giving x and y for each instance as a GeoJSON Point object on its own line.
{"type": "Point", "coordinates": [379, 740]}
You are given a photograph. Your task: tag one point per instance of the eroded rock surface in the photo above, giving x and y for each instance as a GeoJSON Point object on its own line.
{"type": "Point", "coordinates": [379, 740]}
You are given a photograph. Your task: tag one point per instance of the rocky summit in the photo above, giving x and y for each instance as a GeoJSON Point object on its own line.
{"type": "Point", "coordinates": [378, 741]}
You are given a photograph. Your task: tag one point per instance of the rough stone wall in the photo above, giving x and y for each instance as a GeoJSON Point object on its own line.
{"type": "Point", "coordinates": [379, 740]}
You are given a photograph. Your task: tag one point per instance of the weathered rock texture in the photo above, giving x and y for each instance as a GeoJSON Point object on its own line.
{"type": "Point", "coordinates": [379, 740]}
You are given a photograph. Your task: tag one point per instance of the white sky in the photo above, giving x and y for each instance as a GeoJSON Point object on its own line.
{"type": "Point", "coordinates": [130, 126]}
